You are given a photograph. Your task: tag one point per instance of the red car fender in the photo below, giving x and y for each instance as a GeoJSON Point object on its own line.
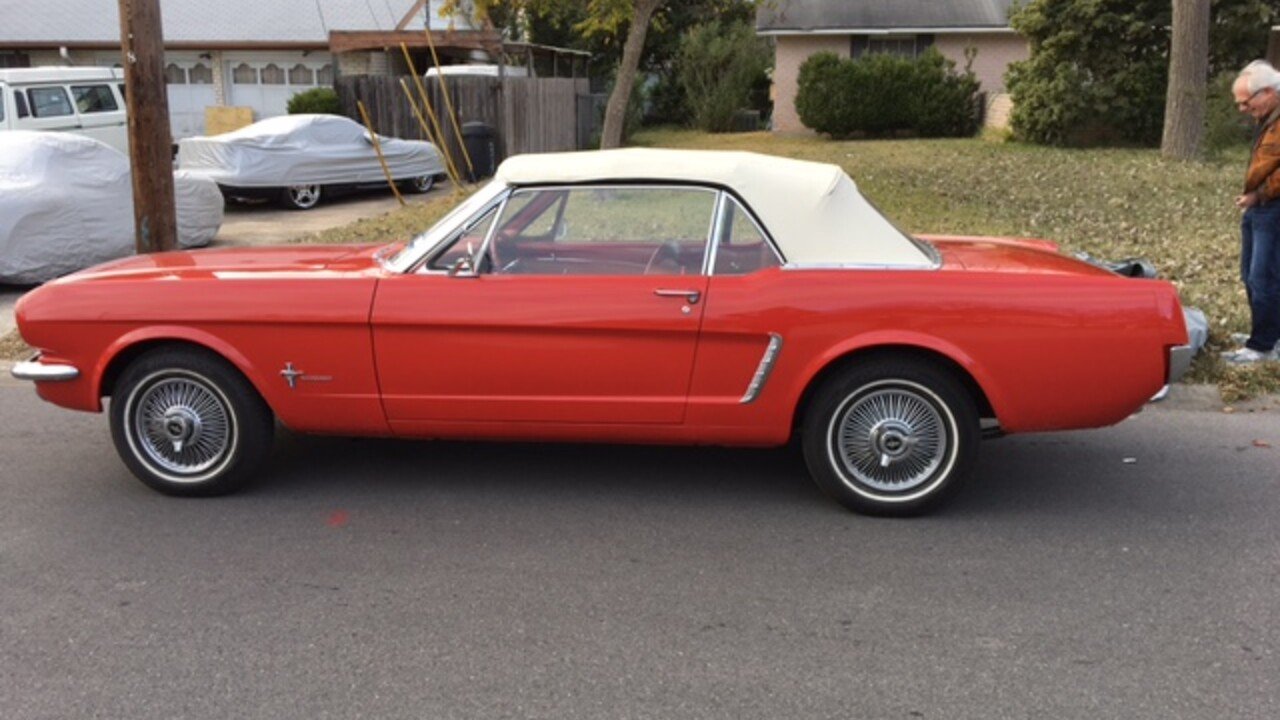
{"type": "Point", "coordinates": [902, 339]}
{"type": "Point", "coordinates": [176, 333]}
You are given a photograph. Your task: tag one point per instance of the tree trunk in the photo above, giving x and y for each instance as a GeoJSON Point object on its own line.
{"type": "Point", "coordinates": [150, 143]}
{"type": "Point", "coordinates": [1188, 78]}
{"type": "Point", "coordinates": [615, 113]}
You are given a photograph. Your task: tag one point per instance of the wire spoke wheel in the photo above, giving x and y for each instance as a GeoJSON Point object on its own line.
{"type": "Point", "coordinates": [182, 425]}
{"type": "Point", "coordinates": [891, 440]}
{"type": "Point", "coordinates": [891, 435]}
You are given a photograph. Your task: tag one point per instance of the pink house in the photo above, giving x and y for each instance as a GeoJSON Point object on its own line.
{"type": "Point", "coordinates": [851, 28]}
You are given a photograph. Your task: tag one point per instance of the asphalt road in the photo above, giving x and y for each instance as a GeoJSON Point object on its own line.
{"type": "Point", "coordinates": [1130, 572]}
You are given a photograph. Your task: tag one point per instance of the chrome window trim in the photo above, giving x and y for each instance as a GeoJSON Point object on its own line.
{"type": "Point", "coordinates": [763, 370]}
{"type": "Point", "coordinates": [755, 222]}
{"type": "Point", "coordinates": [717, 229]}
{"type": "Point", "coordinates": [423, 265]}
{"type": "Point", "coordinates": [512, 190]}
{"type": "Point", "coordinates": [931, 267]}
{"type": "Point", "coordinates": [409, 259]}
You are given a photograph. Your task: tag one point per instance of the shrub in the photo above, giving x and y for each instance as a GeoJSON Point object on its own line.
{"type": "Point", "coordinates": [719, 66]}
{"type": "Point", "coordinates": [880, 94]}
{"type": "Point", "coordinates": [317, 100]}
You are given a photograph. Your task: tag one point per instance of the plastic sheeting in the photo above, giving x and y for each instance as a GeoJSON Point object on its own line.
{"type": "Point", "coordinates": [66, 203]}
{"type": "Point", "coordinates": [304, 150]}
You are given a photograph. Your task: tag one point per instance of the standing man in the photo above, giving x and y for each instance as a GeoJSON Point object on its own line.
{"type": "Point", "coordinates": [1256, 94]}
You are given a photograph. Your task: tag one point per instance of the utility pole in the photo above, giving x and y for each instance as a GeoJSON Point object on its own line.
{"type": "Point", "coordinates": [150, 143]}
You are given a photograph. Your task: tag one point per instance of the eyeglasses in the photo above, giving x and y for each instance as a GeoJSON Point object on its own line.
{"type": "Point", "coordinates": [1243, 104]}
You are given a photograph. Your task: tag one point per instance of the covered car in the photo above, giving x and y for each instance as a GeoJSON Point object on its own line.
{"type": "Point", "coordinates": [66, 203]}
{"type": "Point", "coordinates": [300, 159]}
{"type": "Point", "coordinates": [638, 296]}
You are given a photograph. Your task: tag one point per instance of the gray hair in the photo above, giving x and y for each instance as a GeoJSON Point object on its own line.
{"type": "Point", "coordinates": [1259, 74]}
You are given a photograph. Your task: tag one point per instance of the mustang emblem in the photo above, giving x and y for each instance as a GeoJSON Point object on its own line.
{"type": "Point", "coordinates": [292, 375]}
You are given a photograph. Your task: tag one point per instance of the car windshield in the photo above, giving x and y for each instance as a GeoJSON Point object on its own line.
{"type": "Point", "coordinates": [437, 232]}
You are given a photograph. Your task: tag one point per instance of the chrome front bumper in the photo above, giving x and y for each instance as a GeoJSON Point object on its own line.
{"type": "Point", "coordinates": [36, 371]}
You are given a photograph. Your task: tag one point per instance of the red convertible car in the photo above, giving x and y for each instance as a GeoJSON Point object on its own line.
{"type": "Point", "coordinates": [632, 296]}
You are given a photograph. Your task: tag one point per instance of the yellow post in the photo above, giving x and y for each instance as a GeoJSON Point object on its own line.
{"type": "Point", "coordinates": [448, 162]}
{"type": "Point", "coordinates": [435, 122]}
{"type": "Point", "coordinates": [444, 90]}
{"type": "Point", "coordinates": [377, 147]}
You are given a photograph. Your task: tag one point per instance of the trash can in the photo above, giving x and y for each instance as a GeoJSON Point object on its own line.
{"type": "Point", "coordinates": [481, 142]}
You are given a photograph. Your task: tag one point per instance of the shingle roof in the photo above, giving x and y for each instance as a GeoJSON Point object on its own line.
{"type": "Point", "coordinates": [73, 22]}
{"type": "Point", "coordinates": [819, 15]}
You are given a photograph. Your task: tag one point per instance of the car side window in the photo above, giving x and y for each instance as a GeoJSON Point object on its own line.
{"type": "Point", "coordinates": [94, 98]}
{"type": "Point", "coordinates": [743, 248]}
{"type": "Point", "coordinates": [20, 100]}
{"type": "Point", "coordinates": [467, 244]}
{"type": "Point", "coordinates": [49, 102]}
{"type": "Point", "coordinates": [603, 230]}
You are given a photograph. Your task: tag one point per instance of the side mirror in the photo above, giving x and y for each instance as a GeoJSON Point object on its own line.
{"type": "Point", "coordinates": [465, 266]}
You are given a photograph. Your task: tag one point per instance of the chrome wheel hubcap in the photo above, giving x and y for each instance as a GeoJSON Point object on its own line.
{"type": "Point", "coordinates": [182, 426]}
{"type": "Point", "coordinates": [305, 195]}
{"type": "Point", "coordinates": [891, 440]}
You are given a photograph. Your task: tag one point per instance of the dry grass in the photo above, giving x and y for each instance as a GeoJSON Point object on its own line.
{"type": "Point", "coordinates": [13, 348]}
{"type": "Point", "coordinates": [398, 225]}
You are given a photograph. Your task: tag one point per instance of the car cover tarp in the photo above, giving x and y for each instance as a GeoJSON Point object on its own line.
{"type": "Point", "coordinates": [66, 202]}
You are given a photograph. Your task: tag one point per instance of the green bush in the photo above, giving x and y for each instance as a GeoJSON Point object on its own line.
{"type": "Point", "coordinates": [321, 100]}
{"type": "Point", "coordinates": [880, 94]}
{"type": "Point", "coordinates": [719, 66]}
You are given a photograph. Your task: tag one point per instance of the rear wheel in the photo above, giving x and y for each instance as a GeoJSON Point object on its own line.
{"type": "Point", "coordinates": [187, 423]}
{"type": "Point", "coordinates": [421, 184]}
{"type": "Point", "coordinates": [301, 197]}
{"type": "Point", "coordinates": [891, 436]}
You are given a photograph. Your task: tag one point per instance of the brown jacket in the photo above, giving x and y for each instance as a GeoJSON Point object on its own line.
{"type": "Point", "coordinates": [1262, 176]}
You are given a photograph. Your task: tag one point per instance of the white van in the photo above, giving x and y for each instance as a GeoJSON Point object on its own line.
{"type": "Point", "coordinates": [84, 100]}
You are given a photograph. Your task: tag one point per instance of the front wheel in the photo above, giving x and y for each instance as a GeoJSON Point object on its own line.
{"type": "Point", "coordinates": [891, 436]}
{"type": "Point", "coordinates": [301, 197]}
{"type": "Point", "coordinates": [187, 423]}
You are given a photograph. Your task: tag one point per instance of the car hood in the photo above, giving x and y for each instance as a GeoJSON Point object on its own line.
{"type": "Point", "coordinates": [1008, 255]}
{"type": "Point", "coordinates": [241, 262]}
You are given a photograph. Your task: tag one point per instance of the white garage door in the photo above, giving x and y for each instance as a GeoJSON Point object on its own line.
{"type": "Point", "coordinates": [191, 90]}
{"type": "Point", "coordinates": [267, 86]}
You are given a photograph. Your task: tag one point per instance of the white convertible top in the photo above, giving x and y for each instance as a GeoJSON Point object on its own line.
{"type": "Point", "coordinates": [813, 211]}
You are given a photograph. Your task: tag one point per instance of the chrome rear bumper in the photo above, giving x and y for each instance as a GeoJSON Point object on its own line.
{"type": "Point", "coordinates": [1180, 357]}
{"type": "Point", "coordinates": [36, 371]}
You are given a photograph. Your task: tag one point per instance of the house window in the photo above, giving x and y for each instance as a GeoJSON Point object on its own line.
{"type": "Point", "coordinates": [324, 76]}
{"type": "Point", "coordinates": [301, 75]}
{"type": "Point", "coordinates": [174, 75]}
{"type": "Point", "coordinates": [272, 75]}
{"type": "Point", "coordinates": [14, 60]}
{"type": "Point", "coordinates": [200, 74]}
{"type": "Point", "coordinates": [900, 45]}
{"type": "Point", "coordinates": [244, 74]}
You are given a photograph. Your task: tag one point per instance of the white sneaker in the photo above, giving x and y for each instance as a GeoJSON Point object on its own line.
{"type": "Point", "coordinates": [1242, 338]}
{"type": "Point", "coordinates": [1247, 356]}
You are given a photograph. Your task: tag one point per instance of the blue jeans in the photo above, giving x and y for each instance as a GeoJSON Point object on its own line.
{"type": "Point", "coordinates": [1260, 270]}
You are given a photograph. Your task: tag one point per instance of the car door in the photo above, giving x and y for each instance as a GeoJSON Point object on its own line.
{"type": "Point", "coordinates": [573, 304]}
{"type": "Point", "coordinates": [101, 114]}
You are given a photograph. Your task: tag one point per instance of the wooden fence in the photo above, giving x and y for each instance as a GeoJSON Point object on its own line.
{"type": "Point", "coordinates": [526, 114]}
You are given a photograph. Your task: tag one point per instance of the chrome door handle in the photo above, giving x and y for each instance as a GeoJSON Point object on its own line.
{"type": "Point", "coordinates": [690, 295]}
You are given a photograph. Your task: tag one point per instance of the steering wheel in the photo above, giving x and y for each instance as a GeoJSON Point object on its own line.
{"type": "Point", "coordinates": [668, 251]}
